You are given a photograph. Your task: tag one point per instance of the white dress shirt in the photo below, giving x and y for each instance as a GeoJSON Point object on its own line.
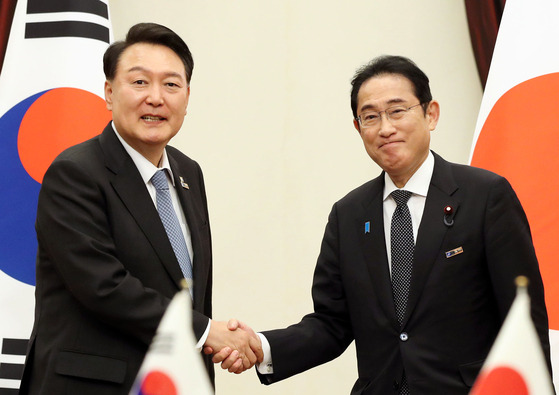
{"type": "Point", "coordinates": [418, 185]}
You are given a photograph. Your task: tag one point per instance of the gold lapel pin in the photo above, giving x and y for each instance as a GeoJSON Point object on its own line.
{"type": "Point", "coordinates": [183, 183]}
{"type": "Point", "coordinates": [456, 251]}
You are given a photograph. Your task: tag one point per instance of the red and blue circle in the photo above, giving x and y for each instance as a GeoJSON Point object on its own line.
{"type": "Point", "coordinates": [32, 134]}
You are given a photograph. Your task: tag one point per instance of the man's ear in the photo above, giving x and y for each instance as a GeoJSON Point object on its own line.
{"type": "Point", "coordinates": [187, 98]}
{"type": "Point", "coordinates": [433, 112]}
{"type": "Point", "coordinates": [109, 95]}
{"type": "Point", "coordinates": [356, 125]}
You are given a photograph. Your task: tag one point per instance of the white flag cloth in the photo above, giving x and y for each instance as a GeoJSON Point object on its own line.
{"type": "Point", "coordinates": [172, 365]}
{"type": "Point", "coordinates": [516, 363]}
{"type": "Point", "coordinates": [51, 97]}
{"type": "Point", "coordinates": [517, 132]}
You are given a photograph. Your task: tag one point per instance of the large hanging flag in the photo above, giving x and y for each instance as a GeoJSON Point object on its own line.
{"type": "Point", "coordinates": [517, 132]}
{"type": "Point", "coordinates": [172, 366]}
{"type": "Point", "coordinates": [516, 363]}
{"type": "Point", "coordinates": [51, 90]}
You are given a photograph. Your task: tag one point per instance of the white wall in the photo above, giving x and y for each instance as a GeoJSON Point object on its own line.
{"type": "Point", "coordinates": [270, 123]}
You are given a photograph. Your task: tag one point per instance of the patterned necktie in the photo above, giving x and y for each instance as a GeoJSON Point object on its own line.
{"type": "Point", "coordinates": [401, 245]}
{"type": "Point", "coordinates": [171, 223]}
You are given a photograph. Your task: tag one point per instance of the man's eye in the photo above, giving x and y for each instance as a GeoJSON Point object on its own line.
{"type": "Point", "coordinates": [139, 82]}
{"type": "Point", "coordinates": [397, 111]}
{"type": "Point", "coordinates": [370, 117]}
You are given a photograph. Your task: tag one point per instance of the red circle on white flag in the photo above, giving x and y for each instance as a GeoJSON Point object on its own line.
{"type": "Point", "coordinates": [500, 380]}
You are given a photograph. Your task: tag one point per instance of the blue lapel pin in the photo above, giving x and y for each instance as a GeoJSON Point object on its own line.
{"type": "Point", "coordinates": [367, 227]}
{"type": "Point", "coordinates": [183, 183]}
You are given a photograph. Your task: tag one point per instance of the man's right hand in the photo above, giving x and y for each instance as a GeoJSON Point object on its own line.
{"type": "Point", "coordinates": [234, 344]}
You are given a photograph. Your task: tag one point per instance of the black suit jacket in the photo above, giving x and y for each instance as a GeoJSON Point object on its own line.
{"type": "Point", "coordinates": [106, 270]}
{"type": "Point", "coordinates": [456, 305]}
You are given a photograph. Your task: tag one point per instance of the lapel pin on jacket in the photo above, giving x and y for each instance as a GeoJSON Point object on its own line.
{"type": "Point", "coordinates": [448, 216]}
{"type": "Point", "coordinates": [456, 251]}
{"type": "Point", "coordinates": [183, 183]}
{"type": "Point", "coordinates": [367, 227]}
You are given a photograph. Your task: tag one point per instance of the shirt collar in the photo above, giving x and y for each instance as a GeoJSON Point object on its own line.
{"type": "Point", "coordinates": [419, 182]}
{"type": "Point", "coordinates": [145, 167]}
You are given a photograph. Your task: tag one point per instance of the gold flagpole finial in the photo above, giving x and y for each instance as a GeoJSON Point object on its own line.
{"type": "Point", "coordinates": [522, 281]}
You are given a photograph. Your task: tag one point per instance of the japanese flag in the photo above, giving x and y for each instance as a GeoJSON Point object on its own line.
{"type": "Point", "coordinates": [516, 364]}
{"type": "Point", "coordinates": [517, 133]}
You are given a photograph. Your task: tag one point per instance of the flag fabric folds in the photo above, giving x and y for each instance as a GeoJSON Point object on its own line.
{"type": "Point", "coordinates": [517, 135]}
{"type": "Point", "coordinates": [172, 365]}
{"type": "Point", "coordinates": [516, 363]}
{"type": "Point", "coordinates": [51, 97]}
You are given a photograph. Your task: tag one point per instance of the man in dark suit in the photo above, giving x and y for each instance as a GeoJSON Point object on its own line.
{"type": "Point", "coordinates": [106, 267]}
{"type": "Point", "coordinates": [469, 239]}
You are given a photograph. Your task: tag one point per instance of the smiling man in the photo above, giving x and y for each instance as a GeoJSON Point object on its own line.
{"type": "Point", "coordinates": [417, 265]}
{"type": "Point", "coordinates": [122, 219]}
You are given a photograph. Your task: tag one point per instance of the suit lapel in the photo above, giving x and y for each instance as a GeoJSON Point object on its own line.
{"type": "Point", "coordinates": [432, 229]}
{"type": "Point", "coordinates": [194, 220]}
{"type": "Point", "coordinates": [373, 245]}
{"type": "Point", "coordinates": [129, 185]}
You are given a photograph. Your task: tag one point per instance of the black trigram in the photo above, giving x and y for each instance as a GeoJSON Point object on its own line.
{"type": "Point", "coordinates": [12, 371]}
{"type": "Point", "coordinates": [49, 28]}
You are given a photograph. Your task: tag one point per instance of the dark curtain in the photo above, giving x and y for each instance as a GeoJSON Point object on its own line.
{"type": "Point", "coordinates": [7, 8]}
{"type": "Point", "coordinates": [484, 17]}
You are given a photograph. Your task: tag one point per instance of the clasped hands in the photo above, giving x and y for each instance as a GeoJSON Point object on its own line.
{"type": "Point", "coordinates": [234, 344]}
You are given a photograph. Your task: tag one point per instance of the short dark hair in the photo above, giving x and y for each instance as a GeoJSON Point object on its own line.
{"type": "Point", "coordinates": [151, 33]}
{"type": "Point", "coordinates": [388, 64]}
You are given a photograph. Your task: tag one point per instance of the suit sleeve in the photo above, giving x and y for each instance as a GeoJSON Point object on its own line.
{"type": "Point", "coordinates": [320, 336]}
{"type": "Point", "coordinates": [510, 253]}
{"type": "Point", "coordinates": [75, 238]}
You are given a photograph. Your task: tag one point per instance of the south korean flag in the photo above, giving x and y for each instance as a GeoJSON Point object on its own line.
{"type": "Point", "coordinates": [51, 97]}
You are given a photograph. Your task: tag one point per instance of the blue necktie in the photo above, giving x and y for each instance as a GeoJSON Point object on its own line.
{"type": "Point", "coordinates": [171, 223]}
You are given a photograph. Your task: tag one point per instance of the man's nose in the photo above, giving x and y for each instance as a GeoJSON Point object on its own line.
{"type": "Point", "coordinates": [155, 96]}
{"type": "Point", "coordinates": [386, 126]}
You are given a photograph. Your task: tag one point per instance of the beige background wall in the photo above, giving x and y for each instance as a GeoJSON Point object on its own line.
{"type": "Point", "coordinates": [270, 123]}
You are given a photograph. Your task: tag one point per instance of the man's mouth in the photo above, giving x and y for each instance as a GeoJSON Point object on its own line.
{"type": "Point", "coordinates": [390, 143]}
{"type": "Point", "coordinates": [153, 118]}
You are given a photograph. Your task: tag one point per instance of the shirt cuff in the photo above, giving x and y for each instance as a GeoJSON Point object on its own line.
{"type": "Point", "coordinates": [266, 367]}
{"type": "Point", "coordinates": [204, 337]}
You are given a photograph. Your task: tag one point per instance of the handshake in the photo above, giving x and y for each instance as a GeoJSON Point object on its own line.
{"type": "Point", "coordinates": [234, 344]}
